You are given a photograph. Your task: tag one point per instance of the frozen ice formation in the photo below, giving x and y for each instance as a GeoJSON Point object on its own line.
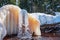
{"type": "Point", "coordinates": [46, 18]}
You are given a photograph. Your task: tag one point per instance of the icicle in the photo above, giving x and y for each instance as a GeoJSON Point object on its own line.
{"type": "Point", "coordinates": [19, 24]}
{"type": "Point", "coordinates": [25, 24]}
{"type": "Point", "coordinates": [2, 31]}
{"type": "Point", "coordinates": [24, 29]}
{"type": "Point", "coordinates": [2, 26]}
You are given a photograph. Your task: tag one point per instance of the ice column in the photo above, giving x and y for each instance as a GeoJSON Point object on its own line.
{"type": "Point", "coordinates": [2, 32]}
{"type": "Point", "coordinates": [24, 33]}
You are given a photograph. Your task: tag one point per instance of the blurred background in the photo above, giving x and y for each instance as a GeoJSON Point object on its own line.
{"type": "Point", "coordinates": [46, 6]}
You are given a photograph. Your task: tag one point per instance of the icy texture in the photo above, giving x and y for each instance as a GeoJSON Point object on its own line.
{"type": "Point", "coordinates": [26, 34]}
{"type": "Point", "coordinates": [35, 15]}
{"type": "Point", "coordinates": [3, 13]}
{"type": "Point", "coordinates": [57, 19]}
{"type": "Point", "coordinates": [57, 13]}
{"type": "Point", "coordinates": [2, 32]}
{"type": "Point", "coordinates": [34, 23]}
{"type": "Point", "coordinates": [42, 19]}
{"type": "Point", "coordinates": [47, 19]}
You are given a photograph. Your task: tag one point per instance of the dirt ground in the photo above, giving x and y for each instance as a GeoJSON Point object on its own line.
{"type": "Point", "coordinates": [44, 36]}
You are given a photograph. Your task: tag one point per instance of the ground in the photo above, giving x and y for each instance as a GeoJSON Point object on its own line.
{"type": "Point", "coordinates": [44, 36]}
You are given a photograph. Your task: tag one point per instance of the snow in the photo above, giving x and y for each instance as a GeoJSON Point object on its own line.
{"type": "Point", "coordinates": [42, 19]}
{"type": "Point", "coordinates": [57, 13]}
{"type": "Point", "coordinates": [46, 18]}
{"type": "Point", "coordinates": [57, 19]}
{"type": "Point", "coordinates": [49, 19]}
